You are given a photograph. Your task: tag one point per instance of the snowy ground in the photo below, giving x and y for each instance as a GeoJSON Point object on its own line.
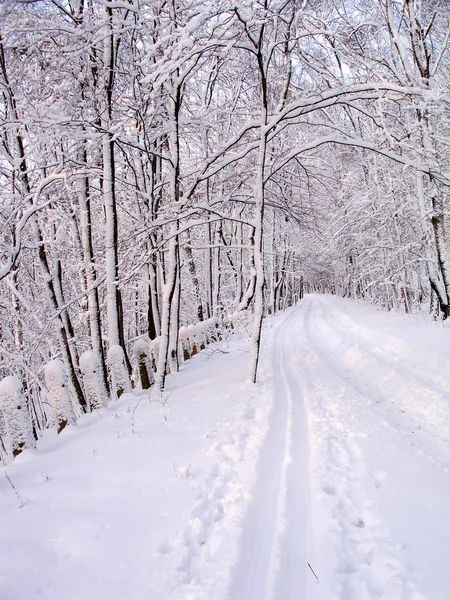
{"type": "Point", "coordinates": [194, 496]}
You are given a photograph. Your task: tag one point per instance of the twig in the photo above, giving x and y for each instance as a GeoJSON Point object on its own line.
{"type": "Point", "coordinates": [135, 408]}
{"type": "Point", "coordinates": [213, 351]}
{"type": "Point", "coordinates": [165, 399]}
{"type": "Point", "coordinates": [312, 571]}
{"type": "Point", "coordinates": [19, 497]}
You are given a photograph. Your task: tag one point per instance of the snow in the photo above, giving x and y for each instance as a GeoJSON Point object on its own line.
{"type": "Point", "coordinates": [193, 342]}
{"type": "Point", "coordinates": [200, 334]}
{"type": "Point", "coordinates": [328, 479]}
{"type": "Point", "coordinates": [14, 409]}
{"type": "Point", "coordinates": [154, 349]}
{"type": "Point", "coordinates": [119, 374]}
{"type": "Point", "coordinates": [90, 366]}
{"type": "Point", "coordinates": [184, 341]}
{"type": "Point", "coordinates": [141, 351]}
{"type": "Point", "coordinates": [59, 392]}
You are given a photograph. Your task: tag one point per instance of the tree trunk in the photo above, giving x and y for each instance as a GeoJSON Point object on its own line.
{"type": "Point", "coordinates": [194, 278]}
{"type": "Point", "coordinates": [89, 269]}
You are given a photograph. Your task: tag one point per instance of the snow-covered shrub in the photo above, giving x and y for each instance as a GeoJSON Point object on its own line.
{"type": "Point", "coordinates": [154, 350]}
{"type": "Point", "coordinates": [141, 352]}
{"type": "Point", "coordinates": [192, 340]}
{"type": "Point", "coordinates": [119, 375]}
{"type": "Point", "coordinates": [94, 385]}
{"type": "Point", "coordinates": [16, 415]}
{"type": "Point", "coordinates": [59, 392]}
{"type": "Point", "coordinates": [184, 341]}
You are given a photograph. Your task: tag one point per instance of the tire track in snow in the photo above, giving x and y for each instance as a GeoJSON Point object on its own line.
{"type": "Point", "coordinates": [294, 542]}
{"type": "Point", "coordinates": [272, 563]}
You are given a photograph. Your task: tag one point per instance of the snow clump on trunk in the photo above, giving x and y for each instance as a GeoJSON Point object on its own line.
{"type": "Point", "coordinates": [192, 339]}
{"type": "Point", "coordinates": [141, 352]}
{"type": "Point", "coordinates": [154, 349]}
{"type": "Point", "coordinates": [213, 333]}
{"type": "Point", "coordinates": [14, 407]}
{"type": "Point", "coordinates": [184, 341]}
{"type": "Point", "coordinates": [200, 335]}
{"type": "Point", "coordinates": [94, 385]}
{"type": "Point", "coordinates": [58, 389]}
{"type": "Point", "coordinates": [119, 374]}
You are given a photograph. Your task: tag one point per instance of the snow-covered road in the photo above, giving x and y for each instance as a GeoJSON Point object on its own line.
{"type": "Point", "coordinates": [353, 485]}
{"type": "Point", "coordinates": [328, 480]}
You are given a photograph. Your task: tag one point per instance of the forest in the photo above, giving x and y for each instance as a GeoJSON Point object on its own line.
{"type": "Point", "coordinates": [170, 168]}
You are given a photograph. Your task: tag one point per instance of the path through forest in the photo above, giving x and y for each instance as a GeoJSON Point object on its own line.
{"type": "Point", "coordinates": [353, 486]}
{"type": "Point", "coordinates": [328, 480]}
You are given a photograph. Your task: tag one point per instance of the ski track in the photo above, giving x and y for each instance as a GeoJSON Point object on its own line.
{"type": "Point", "coordinates": [272, 521]}
{"type": "Point", "coordinates": [273, 548]}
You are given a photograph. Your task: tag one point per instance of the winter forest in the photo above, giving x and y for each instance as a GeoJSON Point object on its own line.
{"type": "Point", "coordinates": [167, 167]}
{"type": "Point", "coordinates": [224, 299]}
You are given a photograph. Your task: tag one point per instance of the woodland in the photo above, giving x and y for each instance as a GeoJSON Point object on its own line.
{"type": "Point", "coordinates": [169, 169]}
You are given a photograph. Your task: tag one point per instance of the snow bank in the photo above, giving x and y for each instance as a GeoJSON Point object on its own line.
{"type": "Point", "coordinates": [115, 510]}
{"type": "Point", "coordinates": [14, 407]}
